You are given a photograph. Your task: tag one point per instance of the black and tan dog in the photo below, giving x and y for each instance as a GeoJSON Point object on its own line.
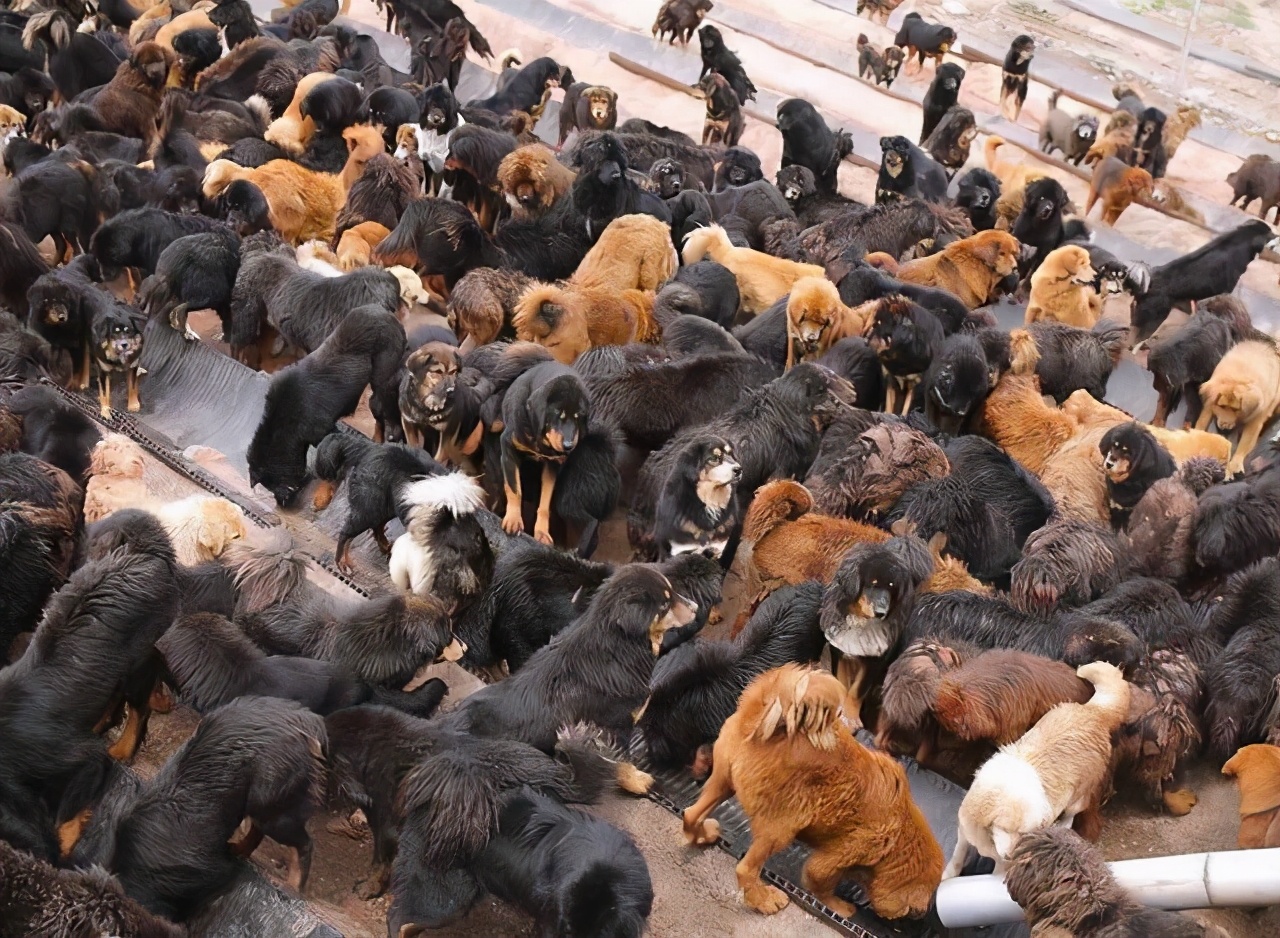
{"type": "Point", "coordinates": [1133, 460]}
{"type": "Point", "coordinates": [883, 68]}
{"type": "Point", "coordinates": [544, 415]}
{"type": "Point", "coordinates": [698, 509]}
{"type": "Point", "coordinates": [924, 40]}
{"type": "Point", "coordinates": [117, 346]}
{"type": "Point", "coordinates": [724, 122]}
{"type": "Point", "coordinates": [1013, 84]}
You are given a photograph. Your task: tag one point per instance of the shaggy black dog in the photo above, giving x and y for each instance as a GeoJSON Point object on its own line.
{"type": "Point", "coordinates": [908, 172]}
{"type": "Point", "coordinates": [194, 272]}
{"type": "Point", "coordinates": [812, 207]}
{"type": "Point", "coordinates": [137, 237]}
{"type": "Point", "coordinates": [949, 143]}
{"type": "Point", "coordinates": [1064, 886]}
{"type": "Point", "coordinates": [1241, 680]}
{"type": "Point", "coordinates": [743, 211]}
{"type": "Point", "coordinates": [597, 671]}
{"type": "Point", "coordinates": [808, 141]}
{"type": "Point", "coordinates": [737, 167]}
{"type": "Point", "coordinates": [1183, 361]}
{"type": "Point", "coordinates": [1148, 143]}
{"type": "Point", "coordinates": [978, 192]}
{"type": "Point", "coordinates": [926, 40]}
{"type": "Point", "coordinates": [20, 266]}
{"type": "Point", "coordinates": [391, 107]}
{"type": "Point", "coordinates": [717, 288]}
{"type": "Point", "coordinates": [64, 304]}
{"type": "Point", "coordinates": [243, 206]}
{"type": "Point", "coordinates": [256, 756]}
{"type": "Point", "coordinates": [943, 93]}
{"type": "Point", "coordinates": [54, 430]}
{"type": "Point", "coordinates": [524, 91]}
{"type": "Point", "coordinates": [305, 400]}
{"type": "Point", "coordinates": [1207, 271]}
{"type": "Point", "coordinates": [53, 199]}
{"type": "Point", "coordinates": [375, 476]}
{"type": "Point", "coordinates": [334, 106]}
{"type": "Point", "coordinates": [1014, 80]}
{"type": "Point", "coordinates": [1071, 359]}
{"type": "Point", "coordinates": [905, 336]}
{"type": "Point", "coordinates": [854, 360]}
{"type": "Point", "coordinates": [698, 508]}
{"type": "Point", "coordinates": [120, 186]}
{"type": "Point", "coordinates": [603, 191]}
{"type": "Point", "coordinates": [716, 57]}
{"type": "Point", "coordinates": [306, 308]}
{"type": "Point", "coordinates": [956, 383]}
{"type": "Point", "coordinates": [1238, 522]}
{"type": "Point", "coordinates": [1067, 564]}
{"type": "Point", "coordinates": [1040, 224]}
{"type": "Point", "coordinates": [863, 282]}
{"type": "Point", "coordinates": [1132, 461]}
{"type": "Point", "coordinates": [574, 873]}
{"type": "Point", "coordinates": [987, 507]}
{"type": "Point", "coordinates": [211, 662]}
{"type": "Point", "coordinates": [696, 687]}
{"type": "Point", "coordinates": [35, 894]}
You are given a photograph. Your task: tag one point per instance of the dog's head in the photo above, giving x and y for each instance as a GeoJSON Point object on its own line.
{"type": "Point", "coordinates": [795, 182]}
{"type": "Point", "coordinates": [221, 522]}
{"type": "Point", "coordinates": [604, 159]}
{"type": "Point", "coordinates": [117, 455]}
{"type": "Point", "coordinates": [439, 108]}
{"type": "Point", "coordinates": [709, 39]}
{"type": "Point", "coordinates": [641, 603]}
{"type": "Point", "coordinates": [876, 583]}
{"type": "Point", "coordinates": [1071, 262]}
{"type": "Point", "coordinates": [1150, 128]}
{"type": "Point", "coordinates": [558, 412]}
{"type": "Point", "coordinates": [998, 250]}
{"type": "Point", "coordinates": [949, 76]}
{"type": "Point", "coordinates": [13, 123]}
{"type": "Point", "coordinates": [524, 177]}
{"type": "Point", "coordinates": [738, 167]}
{"type": "Point", "coordinates": [1138, 182]}
{"type": "Point", "coordinates": [602, 104]}
{"type": "Point", "coordinates": [120, 337]}
{"type": "Point", "coordinates": [893, 59]}
{"type": "Point", "coordinates": [1085, 126]}
{"type": "Point", "coordinates": [1230, 400]}
{"type": "Point", "coordinates": [668, 175]}
{"type": "Point", "coordinates": [152, 62]}
{"type": "Point", "coordinates": [1024, 47]}
{"type": "Point", "coordinates": [718, 472]}
{"type": "Point", "coordinates": [427, 369]}
{"type": "Point", "coordinates": [896, 155]}
{"type": "Point", "coordinates": [1126, 449]}
{"type": "Point", "coordinates": [813, 308]}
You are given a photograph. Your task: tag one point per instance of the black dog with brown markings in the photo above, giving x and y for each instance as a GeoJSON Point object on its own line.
{"type": "Point", "coordinates": [117, 346]}
{"type": "Point", "coordinates": [942, 94]}
{"type": "Point", "coordinates": [524, 91]}
{"type": "Point", "coordinates": [716, 57]}
{"type": "Point", "coordinates": [1132, 461]}
{"type": "Point", "coordinates": [872, 64]}
{"type": "Point", "coordinates": [925, 40]}
{"type": "Point", "coordinates": [1014, 79]}
{"type": "Point", "coordinates": [64, 304]}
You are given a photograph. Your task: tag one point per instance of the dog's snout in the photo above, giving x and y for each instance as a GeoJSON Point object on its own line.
{"type": "Point", "coordinates": [683, 610]}
{"type": "Point", "coordinates": [879, 600]}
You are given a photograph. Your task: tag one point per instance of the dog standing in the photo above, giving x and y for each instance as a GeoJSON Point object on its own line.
{"type": "Point", "coordinates": [1014, 79]}
{"type": "Point", "coordinates": [884, 67]}
{"type": "Point", "coordinates": [724, 122]}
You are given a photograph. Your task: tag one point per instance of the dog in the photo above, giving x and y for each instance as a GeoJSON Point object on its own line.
{"type": "Point", "coordinates": [942, 94]}
{"type": "Point", "coordinates": [762, 279]}
{"type": "Point", "coordinates": [1065, 887]}
{"type": "Point", "coordinates": [1244, 392]}
{"type": "Point", "coordinates": [680, 18]}
{"type": "Point", "coordinates": [1118, 186]}
{"type": "Point", "coordinates": [64, 305]}
{"type": "Point", "coordinates": [883, 67]}
{"type": "Point", "coordinates": [863, 476]}
{"type": "Point", "coordinates": [444, 551]}
{"type": "Point", "coordinates": [130, 103]}
{"type": "Point", "coordinates": [1056, 771]}
{"type": "Point", "coordinates": [1178, 127]}
{"type": "Point", "coordinates": [950, 141]}
{"type": "Point", "coordinates": [971, 268]}
{"type": "Point", "coordinates": [1240, 680]}
{"type": "Point", "coordinates": [1072, 135]}
{"type": "Point", "coordinates": [786, 730]}
{"type": "Point", "coordinates": [1014, 80]}
{"type": "Point", "coordinates": [716, 57]}
{"type": "Point", "coordinates": [956, 382]}
{"type": "Point", "coordinates": [698, 507]}
{"type": "Point", "coordinates": [533, 180]}
{"type": "Point", "coordinates": [1148, 143]}
{"type": "Point", "coordinates": [1066, 564]}
{"type": "Point", "coordinates": [116, 466]}
{"type": "Point", "coordinates": [1256, 770]}
{"type": "Point", "coordinates": [904, 336]}
{"type": "Point", "coordinates": [724, 122]}
{"type": "Point", "coordinates": [588, 107]}
{"type": "Point", "coordinates": [1116, 139]}
{"type": "Point", "coordinates": [924, 40]}
{"type": "Point", "coordinates": [117, 346]}
{"type": "Point", "coordinates": [978, 192]}
{"type": "Point", "coordinates": [807, 140]}
{"type": "Point", "coordinates": [1257, 178]}
{"type": "Point", "coordinates": [816, 319]}
{"type": "Point", "coordinates": [523, 91]}
{"type": "Point", "coordinates": [907, 172]}
{"type": "Point", "coordinates": [569, 320]}
{"type": "Point", "coordinates": [1132, 461]}
{"type": "Point", "coordinates": [1062, 289]}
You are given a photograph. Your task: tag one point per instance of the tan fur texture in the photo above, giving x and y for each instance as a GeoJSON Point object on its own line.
{"type": "Point", "coordinates": [1118, 186]}
{"type": "Point", "coordinates": [355, 246]}
{"type": "Point", "coordinates": [11, 121]}
{"type": "Point", "coordinates": [192, 19]}
{"type": "Point", "coordinates": [533, 180]}
{"type": "Point", "coordinates": [1013, 176]}
{"type": "Point", "coordinates": [799, 773]}
{"type": "Point", "coordinates": [817, 320]}
{"type": "Point", "coordinates": [301, 204]}
{"type": "Point", "coordinates": [1061, 289]}
{"type": "Point", "coordinates": [1116, 140]}
{"type": "Point", "coordinates": [1177, 126]}
{"type": "Point", "coordinates": [970, 268]}
{"type": "Point", "coordinates": [1243, 392]}
{"type": "Point", "coordinates": [1074, 477]}
{"type": "Point", "coordinates": [1181, 444]}
{"type": "Point", "coordinates": [200, 526]}
{"type": "Point", "coordinates": [569, 320]}
{"type": "Point", "coordinates": [291, 131]}
{"type": "Point", "coordinates": [115, 478]}
{"type": "Point", "coordinates": [1017, 419]}
{"type": "Point", "coordinates": [762, 278]}
{"type": "Point", "coordinates": [633, 253]}
{"type": "Point", "coordinates": [1256, 770]}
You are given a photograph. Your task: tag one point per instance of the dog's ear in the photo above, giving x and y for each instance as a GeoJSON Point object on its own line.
{"type": "Point", "coordinates": [767, 724]}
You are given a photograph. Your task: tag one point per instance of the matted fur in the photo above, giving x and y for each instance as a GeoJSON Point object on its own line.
{"type": "Point", "coordinates": [1256, 770]}
{"type": "Point", "coordinates": [1062, 289]}
{"type": "Point", "coordinates": [413, 565]}
{"type": "Point", "coordinates": [1058, 768]}
{"type": "Point", "coordinates": [302, 204]}
{"type": "Point", "coordinates": [1015, 416]}
{"type": "Point", "coordinates": [1158, 539]}
{"type": "Point", "coordinates": [533, 180]}
{"type": "Point", "coordinates": [1067, 563]}
{"type": "Point", "coordinates": [970, 268]}
{"type": "Point", "coordinates": [1118, 186]}
{"type": "Point", "coordinates": [910, 688]}
{"type": "Point", "coordinates": [786, 735]}
{"type": "Point", "coordinates": [869, 475]}
{"type": "Point", "coordinates": [633, 253]}
{"type": "Point", "coordinates": [483, 302]}
{"type": "Point", "coordinates": [762, 279]}
{"type": "Point", "coordinates": [569, 320]}
{"type": "Point", "coordinates": [268, 573]}
{"type": "Point", "coordinates": [116, 465]}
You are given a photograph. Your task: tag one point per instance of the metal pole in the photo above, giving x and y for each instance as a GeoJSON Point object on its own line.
{"type": "Point", "coordinates": [1186, 47]}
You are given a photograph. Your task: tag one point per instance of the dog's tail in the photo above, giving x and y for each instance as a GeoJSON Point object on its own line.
{"type": "Point", "coordinates": [1024, 354]}
{"type": "Point", "coordinates": [804, 702]}
{"type": "Point", "coordinates": [266, 575]}
{"type": "Point", "coordinates": [989, 149]}
{"type": "Point", "coordinates": [592, 759]}
{"type": "Point", "coordinates": [55, 25]}
{"type": "Point", "coordinates": [700, 242]}
{"type": "Point", "coordinates": [338, 452]}
{"type": "Point", "coordinates": [1053, 99]}
{"type": "Point", "coordinates": [1110, 691]}
{"type": "Point", "coordinates": [257, 105]}
{"type": "Point", "coordinates": [454, 492]}
{"type": "Point", "coordinates": [154, 295]}
{"type": "Point", "coordinates": [539, 312]}
{"type": "Point", "coordinates": [1114, 339]}
{"type": "Point", "coordinates": [775, 503]}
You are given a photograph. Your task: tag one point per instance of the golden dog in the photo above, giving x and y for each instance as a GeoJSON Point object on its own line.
{"type": "Point", "coordinates": [1062, 289]}
{"type": "Point", "coordinates": [970, 268]}
{"type": "Point", "coordinates": [817, 319]}
{"type": "Point", "coordinates": [762, 278]}
{"type": "Point", "coordinates": [799, 773]}
{"type": "Point", "coordinates": [533, 180]}
{"type": "Point", "coordinates": [1244, 392]}
{"type": "Point", "coordinates": [1256, 770]}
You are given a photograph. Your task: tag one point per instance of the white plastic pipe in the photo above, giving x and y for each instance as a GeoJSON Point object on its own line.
{"type": "Point", "coordinates": [1248, 878]}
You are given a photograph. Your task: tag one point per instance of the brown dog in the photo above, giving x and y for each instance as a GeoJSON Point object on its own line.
{"type": "Point", "coordinates": [1256, 770]}
{"type": "Point", "coordinates": [130, 102]}
{"type": "Point", "coordinates": [1244, 391]}
{"type": "Point", "coordinates": [569, 320]}
{"type": "Point", "coordinates": [799, 773]}
{"type": "Point", "coordinates": [533, 180]}
{"type": "Point", "coordinates": [1178, 126]}
{"type": "Point", "coordinates": [970, 268]}
{"type": "Point", "coordinates": [1062, 289]}
{"type": "Point", "coordinates": [1118, 186]}
{"type": "Point", "coordinates": [1116, 141]}
{"type": "Point", "coordinates": [817, 320]}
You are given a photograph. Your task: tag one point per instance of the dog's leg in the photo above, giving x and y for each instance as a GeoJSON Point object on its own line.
{"type": "Point", "coordinates": [632, 780]}
{"type": "Point", "coordinates": [512, 522]}
{"type": "Point", "coordinates": [245, 846]}
{"type": "Point", "coordinates": [104, 394]}
{"type": "Point", "coordinates": [1202, 422]}
{"type": "Point", "coordinates": [130, 739]}
{"type": "Point", "coordinates": [412, 434]}
{"type": "Point", "coordinates": [822, 874]}
{"type": "Point", "coordinates": [1162, 410]}
{"type": "Point", "coordinates": [131, 382]}
{"type": "Point", "coordinates": [1248, 440]}
{"type": "Point", "coordinates": [69, 832]}
{"type": "Point", "coordinates": [766, 840]}
{"type": "Point", "coordinates": [380, 536]}
{"type": "Point", "coordinates": [958, 856]}
{"type": "Point", "coordinates": [700, 829]}
{"type": "Point", "coordinates": [379, 432]}
{"type": "Point", "coordinates": [911, 390]}
{"type": "Point", "coordinates": [852, 673]}
{"type": "Point", "coordinates": [542, 526]}
{"type": "Point", "coordinates": [86, 364]}
{"type": "Point", "coordinates": [323, 495]}
{"type": "Point", "coordinates": [299, 870]}
{"type": "Point", "coordinates": [890, 393]}
{"type": "Point", "coordinates": [342, 553]}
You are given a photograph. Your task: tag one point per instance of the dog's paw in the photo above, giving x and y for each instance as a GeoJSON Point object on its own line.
{"type": "Point", "coordinates": [373, 885]}
{"type": "Point", "coordinates": [633, 780]}
{"type": "Point", "coordinates": [704, 834]}
{"type": "Point", "coordinates": [543, 536]}
{"type": "Point", "coordinates": [765, 899]}
{"type": "Point", "coordinates": [1180, 802]}
{"type": "Point", "coordinates": [512, 524]}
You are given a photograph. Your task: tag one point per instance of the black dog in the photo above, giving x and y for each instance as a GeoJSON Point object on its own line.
{"type": "Point", "coordinates": [1183, 361]}
{"type": "Point", "coordinates": [698, 507]}
{"type": "Point", "coordinates": [603, 191]}
{"type": "Point", "coordinates": [956, 383]}
{"type": "Point", "coordinates": [950, 141]}
{"type": "Point", "coordinates": [194, 272]}
{"type": "Point", "coordinates": [1040, 223]}
{"type": "Point", "coordinates": [137, 237]}
{"type": "Point", "coordinates": [64, 304]}
{"type": "Point", "coordinates": [1207, 271]}
{"type": "Point", "coordinates": [807, 140]}
{"type": "Point", "coordinates": [884, 68]}
{"type": "Point", "coordinates": [717, 58]}
{"type": "Point", "coordinates": [905, 337]}
{"type": "Point", "coordinates": [925, 40]}
{"type": "Point", "coordinates": [800, 189]}
{"type": "Point", "coordinates": [1072, 359]}
{"type": "Point", "coordinates": [525, 89]}
{"type": "Point", "coordinates": [1148, 143]}
{"type": "Point", "coordinates": [907, 172]}
{"type": "Point", "coordinates": [1240, 682]}
{"type": "Point", "coordinates": [544, 416]}
{"type": "Point", "coordinates": [305, 400]}
{"type": "Point", "coordinates": [724, 122]}
{"type": "Point", "coordinates": [54, 199]}
{"type": "Point", "coordinates": [737, 167]}
{"type": "Point", "coordinates": [1133, 461]}
{"type": "Point", "coordinates": [1014, 80]}
{"type": "Point", "coordinates": [54, 430]}
{"type": "Point", "coordinates": [943, 93]}
{"type": "Point", "coordinates": [117, 346]}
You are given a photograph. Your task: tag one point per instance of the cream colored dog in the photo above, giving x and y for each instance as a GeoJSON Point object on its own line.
{"type": "Point", "coordinates": [1243, 392]}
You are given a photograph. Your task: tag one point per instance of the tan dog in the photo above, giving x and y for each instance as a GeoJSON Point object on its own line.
{"type": "Point", "coordinates": [1244, 392]}
{"type": "Point", "coordinates": [1012, 176]}
{"type": "Point", "coordinates": [1062, 289]}
{"type": "Point", "coordinates": [1256, 770]}
{"type": "Point", "coordinates": [1057, 770]}
{"type": "Point", "coordinates": [1177, 127]}
{"type": "Point", "coordinates": [12, 124]}
{"type": "Point", "coordinates": [799, 773]}
{"type": "Point", "coordinates": [533, 180]}
{"type": "Point", "coordinates": [970, 268]}
{"type": "Point", "coordinates": [355, 246]}
{"type": "Point", "coordinates": [200, 526]}
{"type": "Point", "coordinates": [762, 278]}
{"type": "Point", "coordinates": [633, 253]}
{"type": "Point", "coordinates": [115, 481]}
{"type": "Point", "coordinates": [817, 320]}
{"type": "Point", "coordinates": [1182, 445]}
{"type": "Point", "coordinates": [1116, 140]}
{"type": "Point", "coordinates": [569, 320]}
{"type": "Point", "coordinates": [1118, 186]}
